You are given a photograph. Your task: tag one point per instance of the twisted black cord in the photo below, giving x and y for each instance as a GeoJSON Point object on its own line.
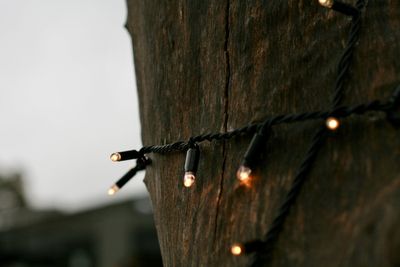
{"type": "Point", "coordinates": [339, 112]}
{"type": "Point", "coordinates": [345, 59]}
{"type": "Point", "coordinates": [264, 253]}
{"type": "Point", "coordinates": [162, 149]}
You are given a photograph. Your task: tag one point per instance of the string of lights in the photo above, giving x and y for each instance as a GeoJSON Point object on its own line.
{"type": "Point", "coordinates": [261, 248]}
{"type": "Point", "coordinates": [332, 123]}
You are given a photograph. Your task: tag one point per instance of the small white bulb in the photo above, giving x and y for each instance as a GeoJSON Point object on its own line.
{"type": "Point", "coordinates": [115, 157]}
{"type": "Point", "coordinates": [236, 249]}
{"type": "Point", "coordinates": [113, 189]}
{"type": "Point", "coordinates": [188, 179]}
{"type": "Point", "coordinates": [243, 173]}
{"type": "Point", "coordinates": [332, 123]}
{"type": "Point", "coordinates": [326, 3]}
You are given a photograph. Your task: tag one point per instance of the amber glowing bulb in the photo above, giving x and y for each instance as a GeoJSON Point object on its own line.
{"type": "Point", "coordinates": [326, 3]}
{"type": "Point", "coordinates": [251, 156]}
{"type": "Point", "coordinates": [188, 179]}
{"type": "Point", "coordinates": [115, 157]}
{"type": "Point", "coordinates": [236, 249]}
{"type": "Point", "coordinates": [113, 189]}
{"type": "Point", "coordinates": [243, 173]}
{"type": "Point", "coordinates": [332, 123]}
{"type": "Point", "coordinates": [191, 164]}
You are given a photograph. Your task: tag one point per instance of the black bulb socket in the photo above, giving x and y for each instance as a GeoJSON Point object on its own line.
{"type": "Point", "coordinates": [192, 159]}
{"type": "Point", "coordinates": [126, 177]}
{"type": "Point", "coordinates": [253, 246]}
{"type": "Point", "coordinates": [253, 150]}
{"type": "Point", "coordinates": [344, 8]}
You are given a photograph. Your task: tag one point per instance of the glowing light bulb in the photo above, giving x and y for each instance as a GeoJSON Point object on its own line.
{"type": "Point", "coordinates": [115, 157]}
{"type": "Point", "coordinates": [188, 179]}
{"type": "Point", "coordinates": [236, 249]}
{"type": "Point", "coordinates": [113, 189]}
{"type": "Point", "coordinates": [243, 173]}
{"type": "Point", "coordinates": [332, 123]}
{"type": "Point", "coordinates": [252, 154]}
{"type": "Point", "coordinates": [326, 3]}
{"type": "Point", "coordinates": [191, 164]}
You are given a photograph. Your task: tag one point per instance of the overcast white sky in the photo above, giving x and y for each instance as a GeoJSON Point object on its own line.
{"type": "Point", "coordinates": [67, 99]}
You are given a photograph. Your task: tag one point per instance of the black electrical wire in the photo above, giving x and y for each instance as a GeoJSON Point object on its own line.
{"type": "Point", "coordinates": [339, 112]}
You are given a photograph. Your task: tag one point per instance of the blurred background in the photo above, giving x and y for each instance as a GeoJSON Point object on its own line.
{"type": "Point", "coordinates": [67, 101]}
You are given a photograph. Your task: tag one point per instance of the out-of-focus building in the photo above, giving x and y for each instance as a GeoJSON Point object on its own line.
{"type": "Point", "coordinates": [117, 235]}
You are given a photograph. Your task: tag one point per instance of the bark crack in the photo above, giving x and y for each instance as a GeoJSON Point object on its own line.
{"type": "Point", "coordinates": [226, 114]}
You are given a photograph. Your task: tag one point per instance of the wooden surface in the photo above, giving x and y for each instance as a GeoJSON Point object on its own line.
{"type": "Point", "coordinates": [206, 66]}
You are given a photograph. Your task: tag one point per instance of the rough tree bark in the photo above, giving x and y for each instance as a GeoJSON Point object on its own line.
{"type": "Point", "coordinates": [207, 66]}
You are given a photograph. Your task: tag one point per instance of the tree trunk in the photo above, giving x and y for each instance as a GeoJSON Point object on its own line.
{"type": "Point", "coordinates": [212, 66]}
